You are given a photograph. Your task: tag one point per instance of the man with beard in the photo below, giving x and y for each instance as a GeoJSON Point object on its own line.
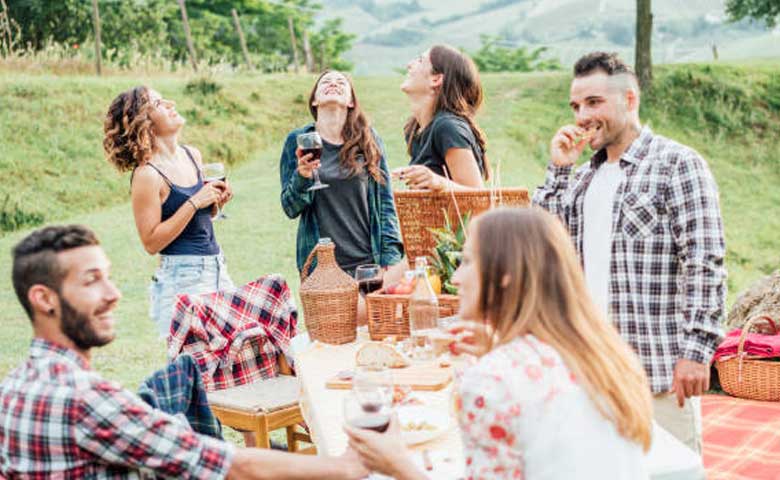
{"type": "Point", "coordinates": [58, 418]}
{"type": "Point", "coordinates": [645, 218]}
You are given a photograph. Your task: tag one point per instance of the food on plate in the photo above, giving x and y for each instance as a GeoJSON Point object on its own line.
{"type": "Point", "coordinates": [417, 426]}
{"type": "Point", "coordinates": [380, 355]}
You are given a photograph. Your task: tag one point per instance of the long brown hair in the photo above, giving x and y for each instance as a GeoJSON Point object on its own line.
{"type": "Point", "coordinates": [531, 283]}
{"type": "Point", "coordinates": [127, 128]}
{"type": "Point", "coordinates": [357, 134]}
{"type": "Point", "coordinates": [460, 94]}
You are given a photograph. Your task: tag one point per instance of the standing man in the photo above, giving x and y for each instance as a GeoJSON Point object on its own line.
{"type": "Point", "coordinates": [60, 419]}
{"type": "Point", "coordinates": [644, 216]}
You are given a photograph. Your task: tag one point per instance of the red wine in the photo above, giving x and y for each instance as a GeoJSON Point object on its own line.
{"type": "Point", "coordinates": [212, 179]}
{"type": "Point", "coordinates": [316, 152]}
{"type": "Point", "coordinates": [377, 423]}
{"type": "Point", "coordinates": [370, 285]}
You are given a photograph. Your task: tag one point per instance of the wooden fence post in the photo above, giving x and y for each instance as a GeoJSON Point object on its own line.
{"type": "Point", "coordinates": [241, 38]}
{"type": "Point", "coordinates": [188, 35]}
{"type": "Point", "coordinates": [96, 22]}
{"type": "Point", "coordinates": [294, 43]}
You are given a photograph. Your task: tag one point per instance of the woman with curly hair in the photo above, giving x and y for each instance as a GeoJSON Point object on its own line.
{"type": "Point", "coordinates": [357, 210]}
{"type": "Point", "coordinates": [446, 146]}
{"type": "Point", "coordinates": [171, 202]}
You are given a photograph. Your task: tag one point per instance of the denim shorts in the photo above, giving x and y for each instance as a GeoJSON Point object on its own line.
{"type": "Point", "coordinates": [183, 274]}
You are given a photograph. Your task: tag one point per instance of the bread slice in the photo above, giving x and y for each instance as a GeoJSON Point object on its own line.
{"type": "Point", "coordinates": [381, 354]}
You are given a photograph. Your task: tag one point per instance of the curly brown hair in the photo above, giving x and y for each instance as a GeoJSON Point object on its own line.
{"type": "Point", "coordinates": [128, 129]}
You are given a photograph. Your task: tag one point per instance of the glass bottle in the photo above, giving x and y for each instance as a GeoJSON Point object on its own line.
{"type": "Point", "coordinates": [423, 312]}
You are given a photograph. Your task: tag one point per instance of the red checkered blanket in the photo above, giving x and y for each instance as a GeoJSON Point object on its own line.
{"type": "Point", "coordinates": [235, 335]}
{"type": "Point", "coordinates": [741, 438]}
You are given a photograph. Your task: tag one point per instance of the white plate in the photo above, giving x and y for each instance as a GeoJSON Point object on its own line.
{"type": "Point", "coordinates": [440, 422]}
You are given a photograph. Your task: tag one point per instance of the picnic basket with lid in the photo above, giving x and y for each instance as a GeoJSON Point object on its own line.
{"type": "Point", "coordinates": [329, 297]}
{"type": "Point", "coordinates": [419, 211]}
{"type": "Point", "coordinates": [747, 376]}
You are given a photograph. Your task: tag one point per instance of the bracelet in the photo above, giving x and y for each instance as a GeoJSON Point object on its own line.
{"type": "Point", "coordinates": [189, 200]}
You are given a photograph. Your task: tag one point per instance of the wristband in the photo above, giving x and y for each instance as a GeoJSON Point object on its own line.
{"type": "Point", "coordinates": [189, 200]}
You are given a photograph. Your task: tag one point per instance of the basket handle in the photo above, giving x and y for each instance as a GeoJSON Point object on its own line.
{"type": "Point", "coordinates": [746, 329]}
{"type": "Point", "coordinates": [305, 271]}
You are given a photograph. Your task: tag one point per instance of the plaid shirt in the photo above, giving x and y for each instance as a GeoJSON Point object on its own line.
{"type": "Point", "coordinates": [59, 419]}
{"type": "Point", "coordinates": [667, 279]}
{"type": "Point", "coordinates": [386, 243]}
{"type": "Point", "coordinates": [235, 335]}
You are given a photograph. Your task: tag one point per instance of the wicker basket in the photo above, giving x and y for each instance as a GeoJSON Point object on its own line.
{"type": "Point", "coordinates": [749, 377]}
{"type": "Point", "coordinates": [388, 315]}
{"type": "Point", "coordinates": [421, 210]}
{"type": "Point", "coordinates": [329, 298]}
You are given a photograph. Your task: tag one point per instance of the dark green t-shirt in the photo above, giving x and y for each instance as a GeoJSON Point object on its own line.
{"type": "Point", "coordinates": [445, 131]}
{"type": "Point", "coordinates": [342, 210]}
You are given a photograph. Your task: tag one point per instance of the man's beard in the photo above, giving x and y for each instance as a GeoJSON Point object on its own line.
{"type": "Point", "coordinates": [78, 328]}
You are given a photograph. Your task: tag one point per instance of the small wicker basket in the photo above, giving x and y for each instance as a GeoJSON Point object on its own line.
{"type": "Point", "coordinates": [329, 297]}
{"type": "Point", "coordinates": [388, 315]}
{"type": "Point", "coordinates": [750, 377]}
{"type": "Point", "coordinates": [421, 210]}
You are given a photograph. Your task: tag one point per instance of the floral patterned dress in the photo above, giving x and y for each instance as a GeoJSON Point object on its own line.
{"type": "Point", "coordinates": [524, 416]}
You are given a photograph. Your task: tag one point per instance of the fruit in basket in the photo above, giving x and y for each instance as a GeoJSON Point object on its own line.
{"type": "Point", "coordinates": [404, 287]}
{"type": "Point", "coordinates": [435, 281]}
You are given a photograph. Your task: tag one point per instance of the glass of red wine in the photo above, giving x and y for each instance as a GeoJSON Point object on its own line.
{"type": "Point", "coordinates": [370, 415]}
{"type": "Point", "coordinates": [312, 143]}
{"type": "Point", "coordinates": [370, 403]}
{"type": "Point", "coordinates": [369, 278]}
{"type": "Point", "coordinates": [213, 172]}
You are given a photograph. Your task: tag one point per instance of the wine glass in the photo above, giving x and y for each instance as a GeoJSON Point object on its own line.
{"type": "Point", "coordinates": [312, 143]}
{"type": "Point", "coordinates": [369, 278]}
{"type": "Point", "coordinates": [360, 414]}
{"type": "Point", "coordinates": [213, 172]}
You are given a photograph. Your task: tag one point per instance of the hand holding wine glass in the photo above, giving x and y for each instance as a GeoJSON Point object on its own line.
{"type": "Point", "coordinates": [213, 172]}
{"type": "Point", "coordinates": [311, 144]}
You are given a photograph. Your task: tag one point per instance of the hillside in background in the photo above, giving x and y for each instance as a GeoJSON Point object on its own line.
{"type": "Point", "coordinates": [391, 32]}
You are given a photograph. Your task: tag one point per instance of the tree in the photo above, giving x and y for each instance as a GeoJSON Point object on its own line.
{"type": "Point", "coordinates": [766, 10]}
{"type": "Point", "coordinates": [492, 57]}
{"type": "Point", "coordinates": [643, 60]}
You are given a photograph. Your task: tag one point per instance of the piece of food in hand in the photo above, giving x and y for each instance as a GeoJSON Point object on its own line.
{"type": "Point", "coordinates": [380, 354]}
{"type": "Point", "coordinates": [589, 134]}
{"type": "Point", "coordinates": [441, 341]}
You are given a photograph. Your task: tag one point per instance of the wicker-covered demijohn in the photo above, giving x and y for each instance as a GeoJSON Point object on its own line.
{"type": "Point", "coordinates": [749, 377]}
{"type": "Point", "coordinates": [329, 297]}
{"type": "Point", "coordinates": [419, 211]}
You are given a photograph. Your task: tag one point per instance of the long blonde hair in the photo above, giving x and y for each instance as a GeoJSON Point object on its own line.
{"type": "Point", "coordinates": [531, 282]}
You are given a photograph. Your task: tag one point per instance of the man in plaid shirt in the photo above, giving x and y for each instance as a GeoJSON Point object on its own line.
{"type": "Point", "coordinates": [644, 216]}
{"type": "Point", "coordinates": [60, 419]}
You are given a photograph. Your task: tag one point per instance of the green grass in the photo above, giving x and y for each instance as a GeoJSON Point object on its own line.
{"type": "Point", "coordinates": [52, 163]}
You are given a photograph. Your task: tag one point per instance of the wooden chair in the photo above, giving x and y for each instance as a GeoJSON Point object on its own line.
{"type": "Point", "coordinates": [262, 407]}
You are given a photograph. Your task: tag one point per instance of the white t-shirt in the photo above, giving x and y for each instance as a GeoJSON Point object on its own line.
{"type": "Point", "coordinates": [597, 230]}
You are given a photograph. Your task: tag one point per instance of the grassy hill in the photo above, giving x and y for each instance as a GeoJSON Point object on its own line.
{"type": "Point", "coordinates": [390, 32]}
{"type": "Point", "coordinates": [52, 165]}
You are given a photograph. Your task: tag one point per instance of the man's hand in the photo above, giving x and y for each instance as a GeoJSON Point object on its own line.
{"type": "Point", "coordinates": [691, 379]}
{"type": "Point", "coordinates": [567, 145]}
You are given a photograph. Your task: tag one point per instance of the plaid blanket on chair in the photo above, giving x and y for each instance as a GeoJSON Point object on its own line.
{"type": "Point", "coordinates": [741, 438]}
{"type": "Point", "coordinates": [235, 335]}
{"type": "Point", "coordinates": [178, 390]}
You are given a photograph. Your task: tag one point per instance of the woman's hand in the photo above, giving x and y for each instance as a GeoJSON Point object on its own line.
{"type": "Point", "coordinates": [419, 177]}
{"type": "Point", "coordinates": [227, 195]}
{"type": "Point", "coordinates": [306, 163]}
{"type": "Point", "coordinates": [382, 452]}
{"type": "Point", "coordinates": [209, 194]}
{"type": "Point", "coordinates": [473, 338]}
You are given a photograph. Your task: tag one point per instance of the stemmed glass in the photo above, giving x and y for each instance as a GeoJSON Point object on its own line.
{"type": "Point", "coordinates": [369, 278]}
{"type": "Point", "coordinates": [213, 172]}
{"type": "Point", "coordinates": [312, 143]}
{"type": "Point", "coordinates": [370, 403]}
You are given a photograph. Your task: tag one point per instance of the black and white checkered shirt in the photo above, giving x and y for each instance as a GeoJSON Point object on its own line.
{"type": "Point", "coordinates": [667, 284]}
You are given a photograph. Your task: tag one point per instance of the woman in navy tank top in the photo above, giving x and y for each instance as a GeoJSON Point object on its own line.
{"type": "Point", "coordinates": [171, 203]}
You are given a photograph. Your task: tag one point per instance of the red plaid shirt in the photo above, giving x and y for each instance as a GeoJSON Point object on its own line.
{"type": "Point", "coordinates": [59, 419]}
{"type": "Point", "coordinates": [235, 335]}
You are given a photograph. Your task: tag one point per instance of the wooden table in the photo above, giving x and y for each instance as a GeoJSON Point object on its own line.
{"type": "Point", "coordinates": [316, 362]}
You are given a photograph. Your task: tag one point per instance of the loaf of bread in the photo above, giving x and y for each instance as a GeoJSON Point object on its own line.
{"type": "Point", "coordinates": [380, 354]}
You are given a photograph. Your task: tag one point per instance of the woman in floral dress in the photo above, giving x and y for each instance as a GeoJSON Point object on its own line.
{"type": "Point", "coordinates": [556, 393]}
